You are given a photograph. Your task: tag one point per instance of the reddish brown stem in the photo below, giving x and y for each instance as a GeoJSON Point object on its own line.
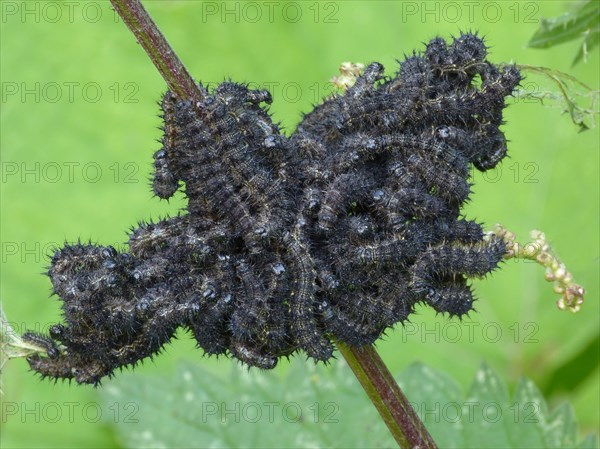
{"type": "Point", "coordinates": [148, 35]}
{"type": "Point", "coordinates": [402, 421]}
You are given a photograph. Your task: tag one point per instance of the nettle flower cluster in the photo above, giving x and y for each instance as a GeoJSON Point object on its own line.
{"type": "Point", "coordinates": [292, 242]}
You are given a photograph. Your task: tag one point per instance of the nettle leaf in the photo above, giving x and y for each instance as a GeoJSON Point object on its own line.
{"type": "Point", "coordinates": [324, 406]}
{"type": "Point", "coordinates": [311, 406]}
{"type": "Point", "coordinates": [577, 24]}
{"type": "Point", "coordinates": [590, 40]}
{"type": "Point", "coordinates": [438, 400]}
{"type": "Point", "coordinates": [489, 417]}
{"type": "Point", "coordinates": [486, 425]}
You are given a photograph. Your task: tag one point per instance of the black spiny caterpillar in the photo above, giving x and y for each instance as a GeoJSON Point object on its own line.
{"type": "Point", "coordinates": [334, 232]}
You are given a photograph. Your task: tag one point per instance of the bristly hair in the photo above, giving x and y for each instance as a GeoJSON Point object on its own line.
{"type": "Point", "coordinates": [288, 243]}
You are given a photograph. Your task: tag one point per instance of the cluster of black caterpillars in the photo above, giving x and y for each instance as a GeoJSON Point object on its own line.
{"type": "Point", "coordinates": [290, 243]}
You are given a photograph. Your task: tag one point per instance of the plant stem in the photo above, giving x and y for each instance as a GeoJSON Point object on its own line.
{"type": "Point", "coordinates": [158, 49]}
{"type": "Point", "coordinates": [402, 421]}
{"type": "Point", "coordinates": [385, 394]}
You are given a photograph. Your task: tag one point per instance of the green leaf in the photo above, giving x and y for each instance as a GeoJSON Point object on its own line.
{"type": "Point", "coordinates": [324, 406]}
{"type": "Point", "coordinates": [590, 40]}
{"type": "Point", "coordinates": [438, 400]}
{"type": "Point", "coordinates": [309, 407]}
{"type": "Point", "coordinates": [562, 428]}
{"type": "Point", "coordinates": [486, 412]}
{"type": "Point", "coordinates": [528, 412]}
{"type": "Point", "coordinates": [582, 22]}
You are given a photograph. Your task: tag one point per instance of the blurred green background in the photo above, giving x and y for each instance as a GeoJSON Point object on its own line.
{"type": "Point", "coordinates": [79, 125]}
